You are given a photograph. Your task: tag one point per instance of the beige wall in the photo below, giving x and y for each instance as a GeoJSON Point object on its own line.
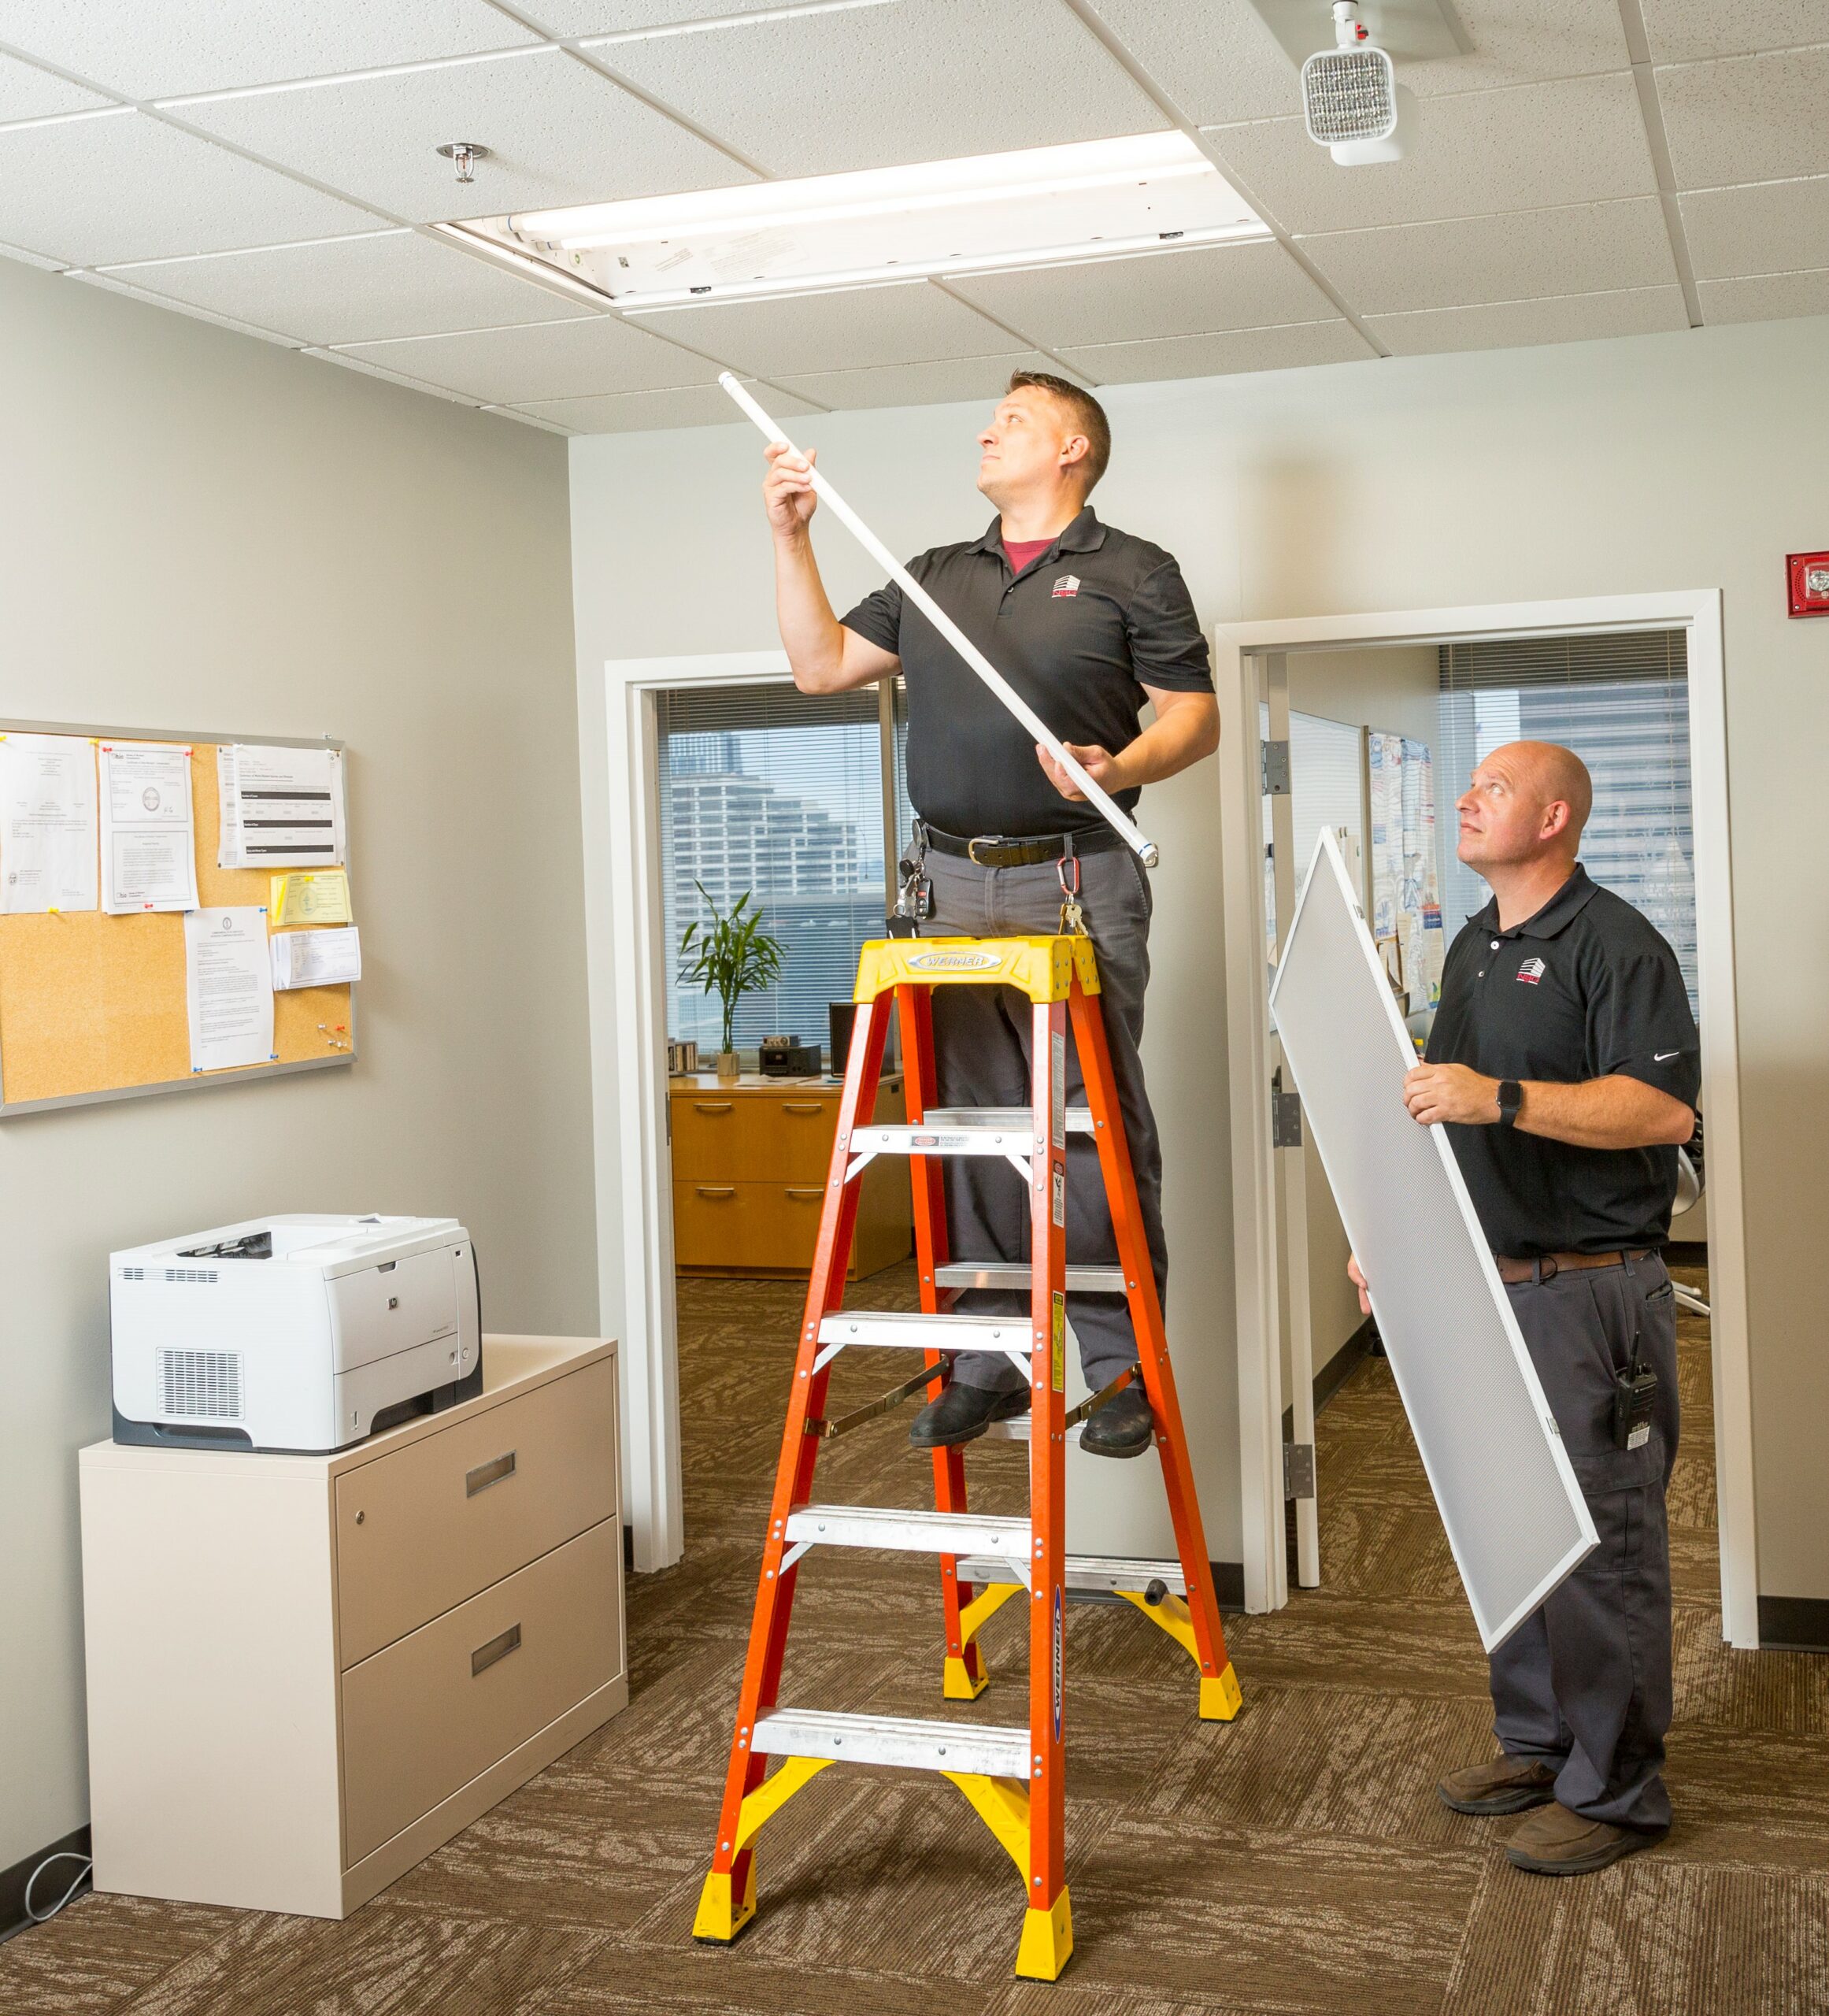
{"type": "Point", "coordinates": [1690, 460]}
{"type": "Point", "coordinates": [202, 532]}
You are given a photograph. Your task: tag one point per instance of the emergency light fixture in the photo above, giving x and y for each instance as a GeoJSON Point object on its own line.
{"type": "Point", "coordinates": [1054, 206]}
{"type": "Point", "coordinates": [1351, 98]}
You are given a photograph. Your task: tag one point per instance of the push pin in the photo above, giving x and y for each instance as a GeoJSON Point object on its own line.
{"type": "Point", "coordinates": [464, 154]}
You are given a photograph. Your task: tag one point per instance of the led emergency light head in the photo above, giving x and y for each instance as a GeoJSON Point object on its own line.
{"type": "Point", "coordinates": [1351, 98]}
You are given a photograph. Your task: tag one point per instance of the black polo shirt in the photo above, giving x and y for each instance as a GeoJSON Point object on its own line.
{"type": "Point", "coordinates": [1586, 988]}
{"type": "Point", "coordinates": [1078, 633]}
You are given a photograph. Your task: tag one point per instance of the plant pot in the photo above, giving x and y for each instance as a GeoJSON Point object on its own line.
{"type": "Point", "coordinates": [728, 1069]}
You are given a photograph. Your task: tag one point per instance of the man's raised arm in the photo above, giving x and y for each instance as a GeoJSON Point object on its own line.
{"type": "Point", "coordinates": [823, 656]}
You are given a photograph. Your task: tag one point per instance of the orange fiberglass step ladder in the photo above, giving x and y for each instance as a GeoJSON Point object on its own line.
{"type": "Point", "coordinates": [1013, 1776]}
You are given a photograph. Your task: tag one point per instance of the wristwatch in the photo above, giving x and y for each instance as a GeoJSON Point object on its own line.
{"type": "Point", "coordinates": [1511, 1099]}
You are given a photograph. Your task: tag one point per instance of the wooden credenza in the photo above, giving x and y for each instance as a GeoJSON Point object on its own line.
{"type": "Point", "coordinates": [750, 1161]}
{"type": "Point", "coordinates": [305, 1672]}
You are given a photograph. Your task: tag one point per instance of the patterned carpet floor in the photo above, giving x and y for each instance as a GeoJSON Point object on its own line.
{"type": "Point", "coordinates": [1295, 1861]}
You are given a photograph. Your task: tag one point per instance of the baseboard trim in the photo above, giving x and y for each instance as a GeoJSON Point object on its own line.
{"type": "Point", "coordinates": [1793, 1623]}
{"type": "Point", "coordinates": [14, 1880]}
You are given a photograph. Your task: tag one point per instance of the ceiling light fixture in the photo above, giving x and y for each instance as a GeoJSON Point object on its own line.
{"type": "Point", "coordinates": [1054, 206]}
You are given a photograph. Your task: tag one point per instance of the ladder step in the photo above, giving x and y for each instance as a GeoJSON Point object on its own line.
{"type": "Point", "coordinates": [985, 1748]}
{"type": "Point", "coordinates": [911, 1533]}
{"type": "Point", "coordinates": [1087, 1571]}
{"type": "Point", "coordinates": [963, 1130]}
{"type": "Point", "coordinates": [911, 1330]}
{"type": "Point", "coordinates": [1000, 1119]}
{"type": "Point", "coordinates": [995, 1274]}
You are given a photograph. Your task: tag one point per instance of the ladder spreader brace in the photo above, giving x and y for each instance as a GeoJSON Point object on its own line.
{"type": "Point", "coordinates": [1013, 1776]}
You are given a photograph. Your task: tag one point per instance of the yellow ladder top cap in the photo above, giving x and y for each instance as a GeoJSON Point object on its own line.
{"type": "Point", "coordinates": [1043, 968]}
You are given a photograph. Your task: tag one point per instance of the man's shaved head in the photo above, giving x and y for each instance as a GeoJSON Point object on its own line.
{"type": "Point", "coordinates": [1527, 800]}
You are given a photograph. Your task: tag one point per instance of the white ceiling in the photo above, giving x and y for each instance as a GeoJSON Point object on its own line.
{"type": "Point", "coordinates": [1590, 168]}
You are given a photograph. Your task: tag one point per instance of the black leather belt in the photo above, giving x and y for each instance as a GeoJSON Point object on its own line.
{"type": "Point", "coordinates": [1003, 850]}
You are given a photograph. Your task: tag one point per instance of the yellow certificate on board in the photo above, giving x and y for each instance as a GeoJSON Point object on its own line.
{"type": "Point", "coordinates": [319, 897]}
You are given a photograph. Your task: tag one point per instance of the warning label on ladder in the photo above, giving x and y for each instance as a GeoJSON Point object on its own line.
{"type": "Point", "coordinates": [1059, 1341]}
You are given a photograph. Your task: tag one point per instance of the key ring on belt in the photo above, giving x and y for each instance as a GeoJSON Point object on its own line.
{"type": "Point", "coordinates": [1072, 917]}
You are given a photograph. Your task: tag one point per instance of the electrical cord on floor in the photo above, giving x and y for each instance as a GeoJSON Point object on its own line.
{"type": "Point", "coordinates": [81, 1876]}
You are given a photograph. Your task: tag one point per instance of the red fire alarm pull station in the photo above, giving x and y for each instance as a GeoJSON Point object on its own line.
{"type": "Point", "coordinates": [1809, 580]}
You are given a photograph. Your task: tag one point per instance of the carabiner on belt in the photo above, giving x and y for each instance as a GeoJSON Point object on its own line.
{"type": "Point", "coordinates": [914, 901]}
{"type": "Point", "coordinates": [1072, 917]}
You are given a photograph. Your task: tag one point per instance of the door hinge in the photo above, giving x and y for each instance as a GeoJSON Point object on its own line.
{"type": "Point", "coordinates": [1276, 770]}
{"type": "Point", "coordinates": [1298, 1469]}
{"type": "Point", "coordinates": [1285, 1113]}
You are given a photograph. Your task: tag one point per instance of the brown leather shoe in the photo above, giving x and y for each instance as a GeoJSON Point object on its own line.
{"type": "Point", "coordinates": [1506, 1784]}
{"type": "Point", "coordinates": [1558, 1843]}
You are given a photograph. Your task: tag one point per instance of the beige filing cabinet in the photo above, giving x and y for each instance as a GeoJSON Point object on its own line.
{"type": "Point", "coordinates": [305, 1672]}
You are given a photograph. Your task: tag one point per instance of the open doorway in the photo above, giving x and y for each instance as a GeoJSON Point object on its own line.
{"type": "Point", "coordinates": [1417, 700]}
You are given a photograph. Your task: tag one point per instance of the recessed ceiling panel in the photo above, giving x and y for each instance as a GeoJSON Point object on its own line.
{"type": "Point", "coordinates": [689, 406]}
{"type": "Point", "coordinates": [550, 360]}
{"type": "Point", "coordinates": [1581, 250]}
{"type": "Point", "coordinates": [556, 131]}
{"type": "Point", "coordinates": [577, 18]}
{"type": "Point", "coordinates": [1164, 294]}
{"type": "Point", "coordinates": [360, 290]}
{"type": "Point", "coordinates": [1767, 227]}
{"type": "Point", "coordinates": [1749, 119]}
{"type": "Point", "coordinates": [1770, 299]}
{"type": "Point", "coordinates": [1684, 30]}
{"type": "Point", "coordinates": [1215, 58]}
{"type": "Point", "coordinates": [1505, 325]}
{"type": "Point", "coordinates": [90, 192]}
{"type": "Point", "coordinates": [1479, 153]}
{"type": "Point", "coordinates": [921, 80]}
{"type": "Point", "coordinates": [148, 51]}
{"type": "Point", "coordinates": [1217, 355]}
{"type": "Point", "coordinates": [1520, 41]}
{"type": "Point", "coordinates": [28, 92]}
{"type": "Point", "coordinates": [910, 324]}
{"type": "Point", "coordinates": [983, 380]}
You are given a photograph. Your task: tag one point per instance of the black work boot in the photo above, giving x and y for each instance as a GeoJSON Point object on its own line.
{"type": "Point", "coordinates": [1123, 1426]}
{"type": "Point", "coordinates": [962, 1413]}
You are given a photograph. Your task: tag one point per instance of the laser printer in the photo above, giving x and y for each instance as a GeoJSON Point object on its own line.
{"type": "Point", "coordinates": [301, 1333]}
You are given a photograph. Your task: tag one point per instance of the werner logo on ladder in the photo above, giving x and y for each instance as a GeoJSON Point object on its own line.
{"type": "Point", "coordinates": [1012, 1775]}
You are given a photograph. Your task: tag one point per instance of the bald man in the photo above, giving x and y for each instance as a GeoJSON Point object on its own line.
{"type": "Point", "coordinates": [1563, 1062]}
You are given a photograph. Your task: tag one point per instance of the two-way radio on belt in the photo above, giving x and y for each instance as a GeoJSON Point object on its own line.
{"type": "Point", "coordinates": [1144, 850]}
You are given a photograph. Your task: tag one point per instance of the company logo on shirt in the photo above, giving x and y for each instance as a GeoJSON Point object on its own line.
{"type": "Point", "coordinates": [1531, 972]}
{"type": "Point", "coordinates": [1066, 585]}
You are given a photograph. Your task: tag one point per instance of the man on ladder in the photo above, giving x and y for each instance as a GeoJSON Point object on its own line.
{"type": "Point", "coordinates": [1086, 622]}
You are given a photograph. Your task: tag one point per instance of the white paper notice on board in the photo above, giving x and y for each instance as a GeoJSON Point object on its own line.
{"type": "Point", "coordinates": [316, 958]}
{"type": "Point", "coordinates": [280, 808]}
{"type": "Point", "coordinates": [149, 836]}
{"type": "Point", "coordinates": [228, 987]}
{"type": "Point", "coordinates": [49, 826]}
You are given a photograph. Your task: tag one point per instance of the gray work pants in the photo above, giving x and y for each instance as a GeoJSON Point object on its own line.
{"type": "Point", "coordinates": [1584, 1683]}
{"type": "Point", "coordinates": [981, 1044]}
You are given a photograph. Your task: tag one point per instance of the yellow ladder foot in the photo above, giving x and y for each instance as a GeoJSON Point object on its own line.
{"type": "Point", "coordinates": [959, 1683]}
{"type": "Point", "coordinates": [719, 1918]}
{"type": "Point", "coordinates": [1047, 1941]}
{"type": "Point", "coordinates": [1219, 1699]}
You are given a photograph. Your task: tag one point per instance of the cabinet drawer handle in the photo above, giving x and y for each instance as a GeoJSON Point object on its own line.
{"type": "Point", "coordinates": [485, 1656]}
{"type": "Point", "coordinates": [485, 1474]}
{"type": "Point", "coordinates": [789, 1105]}
{"type": "Point", "coordinates": [713, 1106]}
{"type": "Point", "coordinates": [806, 1193]}
{"type": "Point", "coordinates": [724, 1190]}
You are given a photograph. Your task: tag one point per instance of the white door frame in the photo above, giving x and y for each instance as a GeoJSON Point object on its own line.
{"type": "Point", "coordinates": [627, 964]}
{"type": "Point", "coordinates": [1237, 649]}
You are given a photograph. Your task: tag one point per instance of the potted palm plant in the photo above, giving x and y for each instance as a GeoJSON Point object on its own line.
{"type": "Point", "coordinates": [730, 956]}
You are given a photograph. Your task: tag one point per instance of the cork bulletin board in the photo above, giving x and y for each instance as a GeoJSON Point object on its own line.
{"type": "Point", "coordinates": [92, 1006]}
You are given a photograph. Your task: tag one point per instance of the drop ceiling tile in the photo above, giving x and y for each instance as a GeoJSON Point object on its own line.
{"type": "Point", "coordinates": [148, 51]}
{"type": "Point", "coordinates": [1582, 250]}
{"type": "Point", "coordinates": [1513, 324]}
{"type": "Point", "coordinates": [1475, 153]}
{"type": "Point", "coordinates": [30, 258]}
{"type": "Point", "coordinates": [1213, 356]}
{"type": "Point", "coordinates": [1684, 30]}
{"type": "Point", "coordinates": [1748, 119]}
{"type": "Point", "coordinates": [921, 80]}
{"type": "Point", "coordinates": [111, 283]}
{"type": "Point", "coordinates": [909, 323]}
{"type": "Point", "coordinates": [1518, 42]}
{"type": "Point", "coordinates": [1215, 58]}
{"type": "Point", "coordinates": [360, 290]}
{"type": "Point", "coordinates": [28, 92]}
{"type": "Point", "coordinates": [558, 133]}
{"type": "Point", "coordinates": [985, 378]}
{"type": "Point", "coordinates": [525, 366]}
{"type": "Point", "coordinates": [591, 17]}
{"type": "Point", "coordinates": [690, 406]}
{"type": "Point", "coordinates": [1764, 227]}
{"type": "Point", "coordinates": [124, 185]}
{"type": "Point", "coordinates": [1771, 298]}
{"type": "Point", "coordinates": [1164, 294]}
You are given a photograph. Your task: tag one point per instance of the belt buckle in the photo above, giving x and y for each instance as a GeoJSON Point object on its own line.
{"type": "Point", "coordinates": [972, 846]}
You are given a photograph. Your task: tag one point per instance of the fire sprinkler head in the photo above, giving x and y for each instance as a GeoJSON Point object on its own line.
{"type": "Point", "coordinates": [464, 154]}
